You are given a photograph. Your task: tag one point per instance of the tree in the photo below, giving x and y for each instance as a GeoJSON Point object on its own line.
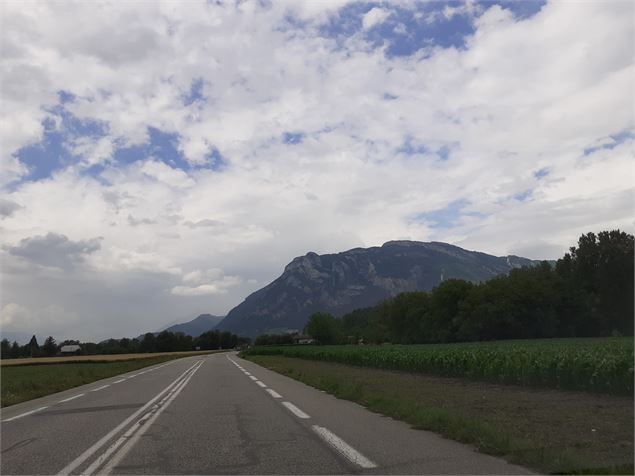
{"type": "Point", "coordinates": [16, 350]}
{"type": "Point", "coordinates": [324, 328]}
{"type": "Point", "coordinates": [166, 342]}
{"type": "Point", "coordinates": [33, 347]}
{"type": "Point", "coordinates": [50, 347]}
{"type": "Point", "coordinates": [5, 349]}
{"type": "Point", "coordinates": [149, 343]}
{"type": "Point", "coordinates": [600, 271]}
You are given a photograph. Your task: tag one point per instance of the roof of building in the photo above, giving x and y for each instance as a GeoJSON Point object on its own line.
{"type": "Point", "coordinates": [70, 348]}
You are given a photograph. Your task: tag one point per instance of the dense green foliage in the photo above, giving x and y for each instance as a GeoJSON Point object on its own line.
{"type": "Point", "coordinates": [162, 342]}
{"type": "Point", "coordinates": [588, 293]}
{"type": "Point", "coordinates": [324, 328]}
{"type": "Point", "coordinates": [600, 364]}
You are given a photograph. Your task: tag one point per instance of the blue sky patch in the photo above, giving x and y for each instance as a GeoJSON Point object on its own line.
{"type": "Point", "coordinates": [523, 196]}
{"type": "Point", "coordinates": [542, 173]}
{"type": "Point", "coordinates": [51, 153]}
{"type": "Point", "coordinates": [196, 92]}
{"type": "Point", "coordinates": [521, 9]}
{"type": "Point", "coordinates": [407, 30]}
{"type": "Point", "coordinates": [444, 153]}
{"type": "Point", "coordinates": [293, 137]}
{"type": "Point", "coordinates": [65, 97]}
{"type": "Point", "coordinates": [409, 147]}
{"type": "Point", "coordinates": [163, 146]}
{"type": "Point", "coordinates": [448, 216]}
{"type": "Point", "coordinates": [615, 140]}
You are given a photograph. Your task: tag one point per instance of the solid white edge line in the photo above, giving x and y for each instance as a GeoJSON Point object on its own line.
{"type": "Point", "coordinates": [295, 410]}
{"type": "Point", "coordinates": [253, 378]}
{"type": "Point", "coordinates": [25, 414]}
{"type": "Point", "coordinates": [343, 448]}
{"type": "Point", "coordinates": [120, 380]}
{"type": "Point", "coordinates": [246, 373]}
{"type": "Point", "coordinates": [259, 383]}
{"type": "Point", "coordinates": [100, 388]}
{"type": "Point", "coordinates": [273, 393]}
{"type": "Point", "coordinates": [93, 449]}
{"type": "Point", "coordinates": [137, 430]}
{"type": "Point", "coordinates": [71, 398]}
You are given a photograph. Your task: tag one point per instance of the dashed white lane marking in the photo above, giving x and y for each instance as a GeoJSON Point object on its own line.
{"type": "Point", "coordinates": [93, 449]}
{"type": "Point", "coordinates": [330, 438]}
{"type": "Point", "coordinates": [120, 380]}
{"type": "Point", "coordinates": [25, 414]}
{"type": "Point", "coordinates": [273, 393]}
{"type": "Point", "coordinates": [295, 410]}
{"type": "Point", "coordinates": [71, 398]}
{"type": "Point", "coordinates": [100, 388]}
{"type": "Point", "coordinates": [343, 448]}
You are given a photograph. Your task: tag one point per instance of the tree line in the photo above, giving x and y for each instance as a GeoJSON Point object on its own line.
{"type": "Point", "coordinates": [165, 341]}
{"type": "Point", "coordinates": [587, 293]}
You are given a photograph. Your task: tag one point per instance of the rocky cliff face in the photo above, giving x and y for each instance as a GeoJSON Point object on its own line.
{"type": "Point", "coordinates": [361, 277]}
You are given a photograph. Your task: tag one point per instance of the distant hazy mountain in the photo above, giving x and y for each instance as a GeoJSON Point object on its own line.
{"type": "Point", "coordinates": [361, 277]}
{"type": "Point", "coordinates": [195, 327]}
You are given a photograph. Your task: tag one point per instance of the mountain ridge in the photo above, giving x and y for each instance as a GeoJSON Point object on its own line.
{"type": "Point", "coordinates": [360, 277]}
{"type": "Point", "coordinates": [200, 324]}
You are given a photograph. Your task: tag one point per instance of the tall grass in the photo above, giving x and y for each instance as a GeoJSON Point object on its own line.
{"type": "Point", "coordinates": [590, 364]}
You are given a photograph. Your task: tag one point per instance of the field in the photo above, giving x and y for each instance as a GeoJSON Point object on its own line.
{"type": "Point", "coordinates": [591, 364]}
{"type": "Point", "coordinates": [92, 358]}
{"type": "Point", "coordinates": [31, 380]}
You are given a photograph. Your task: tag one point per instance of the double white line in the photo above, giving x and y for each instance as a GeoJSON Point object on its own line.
{"type": "Point", "coordinates": [118, 450]}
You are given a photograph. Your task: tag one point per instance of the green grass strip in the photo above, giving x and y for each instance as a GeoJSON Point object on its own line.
{"type": "Point", "coordinates": [26, 382]}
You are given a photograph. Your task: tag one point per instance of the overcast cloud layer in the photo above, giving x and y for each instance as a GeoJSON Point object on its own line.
{"type": "Point", "coordinates": [161, 160]}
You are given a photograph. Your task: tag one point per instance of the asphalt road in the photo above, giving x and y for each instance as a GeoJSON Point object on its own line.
{"type": "Point", "coordinates": [219, 414]}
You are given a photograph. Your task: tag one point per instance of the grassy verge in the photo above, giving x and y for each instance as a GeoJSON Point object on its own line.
{"type": "Point", "coordinates": [95, 358]}
{"type": "Point", "coordinates": [549, 430]}
{"type": "Point", "coordinates": [25, 382]}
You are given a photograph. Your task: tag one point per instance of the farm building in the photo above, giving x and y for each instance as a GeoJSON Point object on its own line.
{"type": "Point", "coordinates": [302, 339]}
{"type": "Point", "coordinates": [70, 350]}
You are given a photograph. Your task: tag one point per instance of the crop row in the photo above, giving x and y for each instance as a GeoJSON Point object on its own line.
{"type": "Point", "coordinates": [593, 364]}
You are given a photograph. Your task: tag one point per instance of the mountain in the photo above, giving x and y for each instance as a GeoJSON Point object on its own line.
{"type": "Point", "coordinates": [361, 277]}
{"type": "Point", "coordinates": [195, 327]}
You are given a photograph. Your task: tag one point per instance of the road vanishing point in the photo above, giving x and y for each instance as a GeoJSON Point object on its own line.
{"type": "Point", "coordinates": [219, 414]}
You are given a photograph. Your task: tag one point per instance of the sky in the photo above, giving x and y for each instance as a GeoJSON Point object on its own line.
{"type": "Point", "coordinates": [165, 159]}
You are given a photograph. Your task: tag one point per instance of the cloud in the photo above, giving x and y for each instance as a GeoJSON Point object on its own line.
{"type": "Point", "coordinates": [8, 207]}
{"type": "Point", "coordinates": [54, 250]}
{"type": "Point", "coordinates": [206, 222]}
{"type": "Point", "coordinates": [374, 17]}
{"type": "Point", "coordinates": [44, 321]}
{"type": "Point", "coordinates": [203, 283]}
{"type": "Point", "coordinates": [13, 315]}
{"type": "Point", "coordinates": [298, 137]}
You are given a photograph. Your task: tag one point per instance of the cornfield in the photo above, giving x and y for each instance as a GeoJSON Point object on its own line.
{"type": "Point", "coordinates": [589, 364]}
